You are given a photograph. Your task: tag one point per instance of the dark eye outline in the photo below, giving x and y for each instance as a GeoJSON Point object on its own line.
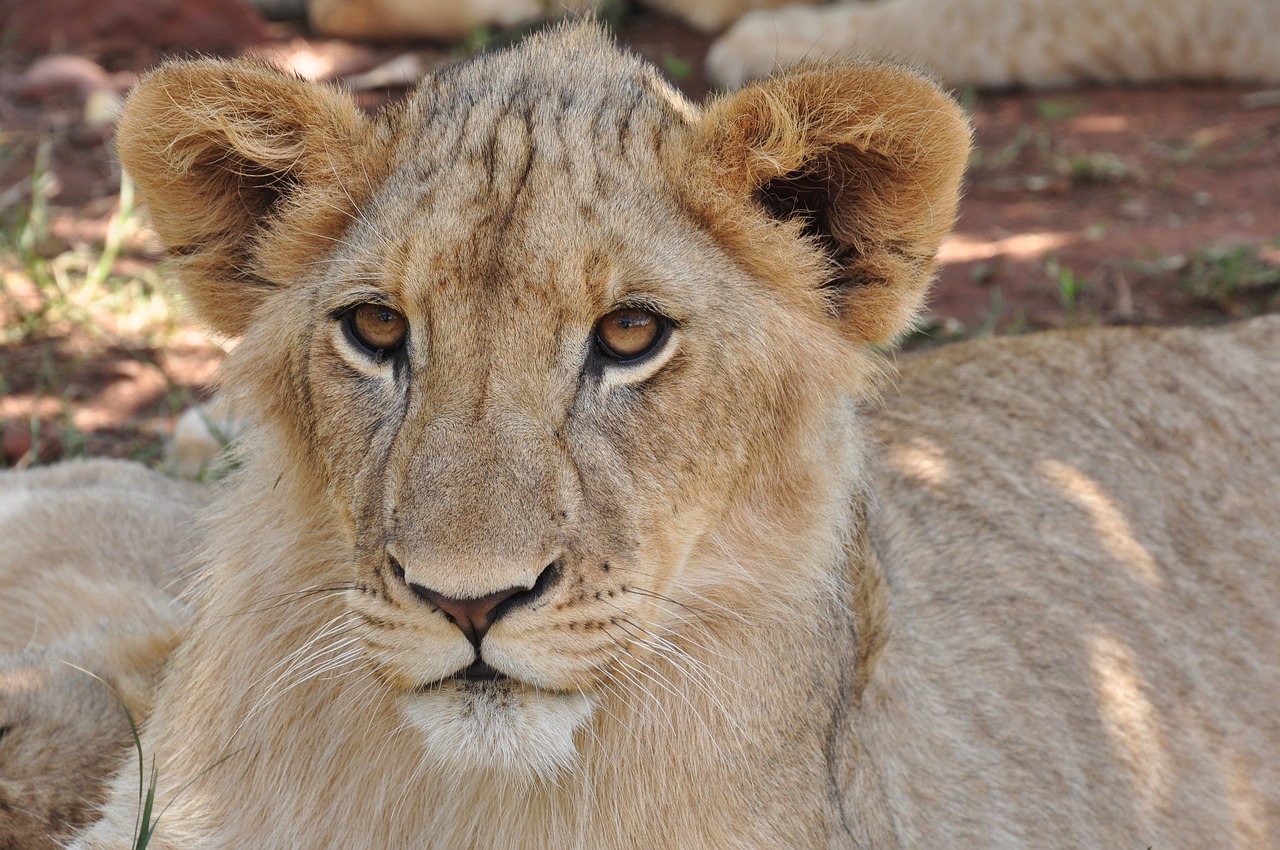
{"type": "Point", "coordinates": [379, 355]}
{"type": "Point", "coordinates": [603, 350]}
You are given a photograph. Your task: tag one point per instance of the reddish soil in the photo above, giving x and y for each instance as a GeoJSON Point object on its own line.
{"type": "Point", "coordinates": [1136, 194]}
{"type": "Point", "coordinates": [1083, 206]}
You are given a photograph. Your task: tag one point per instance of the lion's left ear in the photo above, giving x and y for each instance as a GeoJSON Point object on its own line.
{"type": "Point", "coordinates": [863, 162]}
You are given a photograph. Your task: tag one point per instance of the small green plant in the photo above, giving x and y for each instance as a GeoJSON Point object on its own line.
{"type": "Point", "coordinates": [148, 818]}
{"type": "Point", "coordinates": [70, 304]}
{"type": "Point", "coordinates": [1227, 275]}
{"type": "Point", "coordinates": [1027, 139]}
{"type": "Point", "coordinates": [996, 322]}
{"type": "Point", "coordinates": [478, 40]}
{"type": "Point", "coordinates": [1010, 152]}
{"type": "Point", "coordinates": [677, 68]}
{"type": "Point", "coordinates": [145, 825]}
{"type": "Point", "coordinates": [611, 13]}
{"type": "Point", "coordinates": [992, 315]}
{"type": "Point", "coordinates": [485, 37]}
{"type": "Point", "coordinates": [1097, 168]}
{"type": "Point", "coordinates": [50, 288]}
{"type": "Point", "coordinates": [1069, 287]}
{"type": "Point", "coordinates": [1058, 110]}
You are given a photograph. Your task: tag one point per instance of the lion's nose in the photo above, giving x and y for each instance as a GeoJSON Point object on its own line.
{"type": "Point", "coordinates": [475, 616]}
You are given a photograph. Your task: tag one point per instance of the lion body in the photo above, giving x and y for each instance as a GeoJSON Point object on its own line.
{"type": "Point", "coordinates": [994, 43]}
{"type": "Point", "coordinates": [94, 555]}
{"type": "Point", "coordinates": [460, 18]}
{"type": "Point", "coordinates": [115, 566]}
{"type": "Point", "coordinates": [999, 43]}
{"type": "Point", "coordinates": [1112, 489]}
{"type": "Point", "coordinates": [1024, 593]}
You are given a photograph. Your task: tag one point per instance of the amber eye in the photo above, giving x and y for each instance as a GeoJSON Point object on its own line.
{"type": "Point", "coordinates": [377, 328]}
{"type": "Point", "coordinates": [630, 333]}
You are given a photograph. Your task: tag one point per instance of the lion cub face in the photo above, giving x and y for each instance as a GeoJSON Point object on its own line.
{"type": "Point", "coordinates": [544, 430]}
{"type": "Point", "coordinates": [551, 344]}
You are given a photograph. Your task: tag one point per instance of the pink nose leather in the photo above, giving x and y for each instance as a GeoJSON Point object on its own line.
{"type": "Point", "coordinates": [472, 616]}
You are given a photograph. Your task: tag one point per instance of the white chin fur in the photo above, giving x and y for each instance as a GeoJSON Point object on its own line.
{"type": "Point", "coordinates": [514, 730]}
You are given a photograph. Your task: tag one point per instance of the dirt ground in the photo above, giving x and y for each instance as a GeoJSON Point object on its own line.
{"type": "Point", "coordinates": [1146, 205]}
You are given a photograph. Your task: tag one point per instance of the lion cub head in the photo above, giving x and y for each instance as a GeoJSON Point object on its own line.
{"type": "Point", "coordinates": [546, 344]}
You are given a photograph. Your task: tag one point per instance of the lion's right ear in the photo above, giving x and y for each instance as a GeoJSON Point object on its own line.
{"type": "Point", "coordinates": [227, 154]}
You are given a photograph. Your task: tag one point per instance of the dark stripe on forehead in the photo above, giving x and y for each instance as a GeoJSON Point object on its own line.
{"type": "Point", "coordinates": [509, 117]}
{"type": "Point", "coordinates": [578, 96]}
{"type": "Point", "coordinates": [522, 178]}
{"type": "Point", "coordinates": [624, 121]}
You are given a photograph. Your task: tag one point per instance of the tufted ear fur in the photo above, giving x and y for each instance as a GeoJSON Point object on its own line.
{"type": "Point", "coordinates": [227, 155]}
{"type": "Point", "coordinates": [864, 163]}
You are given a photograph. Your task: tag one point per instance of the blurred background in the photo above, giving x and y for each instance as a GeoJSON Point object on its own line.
{"type": "Point", "coordinates": [1084, 206]}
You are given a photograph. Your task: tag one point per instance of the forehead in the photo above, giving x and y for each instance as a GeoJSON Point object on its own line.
{"type": "Point", "coordinates": [529, 165]}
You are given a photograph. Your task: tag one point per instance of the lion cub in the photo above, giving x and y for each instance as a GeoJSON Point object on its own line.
{"type": "Point", "coordinates": [574, 512]}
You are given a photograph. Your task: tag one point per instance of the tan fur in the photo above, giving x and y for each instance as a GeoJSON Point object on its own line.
{"type": "Point", "coordinates": [1039, 43]}
{"type": "Point", "coordinates": [65, 731]}
{"type": "Point", "coordinates": [113, 567]}
{"type": "Point", "coordinates": [1030, 602]}
{"type": "Point", "coordinates": [87, 579]}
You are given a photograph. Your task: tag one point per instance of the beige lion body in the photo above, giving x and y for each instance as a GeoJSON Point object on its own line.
{"type": "Point", "coordinates": [119, 564]}
{"type": "Point", "coordinates": [1037, 43]}
{"type": "Point", "coordinates": [1025, 593]}
{"type": "Point", "coordinates": [94, 554]}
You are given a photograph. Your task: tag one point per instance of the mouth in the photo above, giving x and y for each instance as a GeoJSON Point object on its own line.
{"type": "Point", "coordinates": [478, 672]}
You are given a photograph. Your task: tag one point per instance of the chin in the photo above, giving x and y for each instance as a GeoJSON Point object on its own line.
{"type": "Point", "coordinates": [504, 727]}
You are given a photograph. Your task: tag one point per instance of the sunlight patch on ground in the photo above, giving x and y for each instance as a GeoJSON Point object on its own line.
{"type": "Point", "coordinates": [963, 248]}
{"type": "Point", "coordinates": [1100, 124]}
